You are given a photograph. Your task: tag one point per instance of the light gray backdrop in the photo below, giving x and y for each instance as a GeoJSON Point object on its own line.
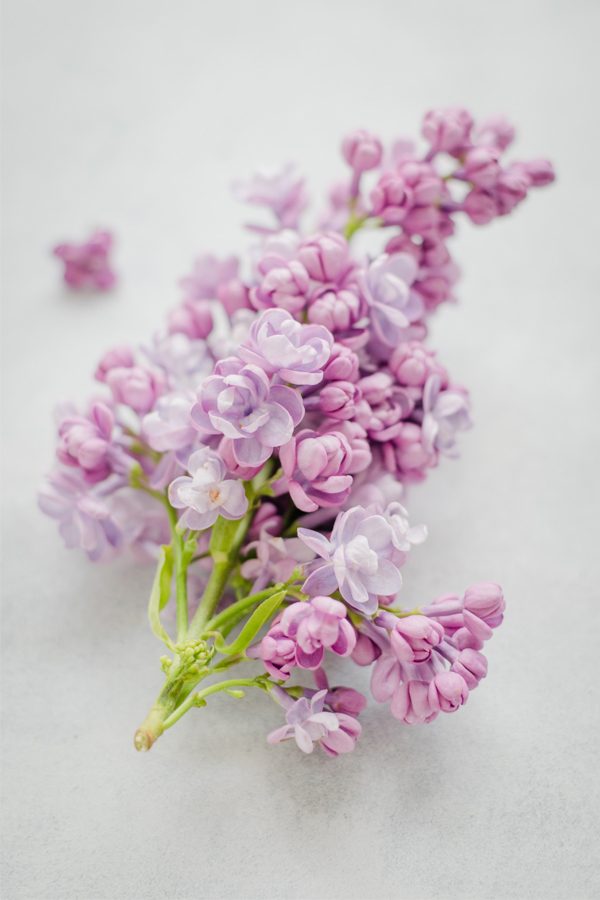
{"type": "Point", "coordinates": [136, 115]}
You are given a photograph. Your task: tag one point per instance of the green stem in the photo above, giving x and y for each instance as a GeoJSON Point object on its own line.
{"type": "Point", "coordinates": [196, 699]}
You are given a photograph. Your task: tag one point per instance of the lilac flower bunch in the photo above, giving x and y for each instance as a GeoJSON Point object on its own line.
{"type": "Point", "coordinates": [259, 448]}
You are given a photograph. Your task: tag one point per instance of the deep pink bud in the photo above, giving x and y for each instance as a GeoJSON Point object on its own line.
{"type": "Point", "coordinates": [412, 703]}
{"type": "Point", "coordinates": [539, 171]}
{"type": "Point", "coordinates": [137, 387]}
{"type": "Point", "coordinates": [412, 364]}
{"type": "Point", "coordinates": [193, 317]}
{"type": "Point", "coordinates": [495, 132]}
{"type": "Point", "coordinates": [391, 198]}
{"type": "Point", "coordinates": [481, 167]}
{"type": "Point", "coordinates": [480, 207]}
{"type": "Point", "coordinates": [342, 365]}
{"type": "Point", "coordinates": [346, 700]}
{"type": "Point", "coordinates": [413, 638]}
{"type": "Point", "coordinates": [233, 295]}
{"type": "Point", "coordinates": [486, 601]}
{"type": "Point", "coordinates": [362, 150]}
{"type": "Point", "coordinates": [471, 665]}
{"type": "Point", "coordinates": [447, 129]}
{"type": "Point", "coordinates": [448, 691]}
{"type": "Point", "coordinates": [326, 257]}
{"type": "Point", "coordinates": [366, 651]}
{"type": "Point", "coordinates": [116, 358]}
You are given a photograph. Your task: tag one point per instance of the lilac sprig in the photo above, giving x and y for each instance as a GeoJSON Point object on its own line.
{"type": "Point", "coordinates": [260, 447]}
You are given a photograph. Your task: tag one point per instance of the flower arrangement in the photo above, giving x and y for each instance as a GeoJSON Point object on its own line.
{"type": "Point", "coordinates": [259, 447]}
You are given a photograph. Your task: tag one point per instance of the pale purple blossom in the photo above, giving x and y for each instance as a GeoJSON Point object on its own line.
{"type": "Point", "coordinates": [169, 426]}
{"type": "Point", "coordinates": [444, 413]}
{"type": "Point", "coordinates": [240, 403]}
{"type": "Point", "coordinates": [282, 191]}
{"type": "Point", "coordinates": [359, 560]}
{"type": "Point", "coordinates": [206, 493]}
{"type": "Point", "coordinates": [393, 305]}
{"type": "Point", "coordinates": [185, 360]}
{"type": "Point", "coordinates": [281, 345]}
{"type": "Point", "coordinates": [83, 514]}
{"type": "Point", "coordinates": [88, 265]}
{"type": "Point", "coordinates": [308, 724]}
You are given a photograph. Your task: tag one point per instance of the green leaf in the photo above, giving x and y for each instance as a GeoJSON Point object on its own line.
{"type": "Point", "coordinates": [161, 591]}
{"type": "Point", "coordinates": [256, 621]}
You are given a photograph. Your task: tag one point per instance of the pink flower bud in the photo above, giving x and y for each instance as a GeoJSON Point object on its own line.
{"type": "Point", "coordinates": [495, 132]}
{"type": "Point", "coordinates": [362, 150]}
{"type": "Point", "coordinates": [480, 207]}
{"type": "Point", "coordinates": [116, 358]}
{"type": "Point", "coordinates": [136, 387]}
{"type": "Point", "coordinates": [413, 638]}
{"type": "Point", "coordinates": [471, 665]}
{"type": "Point", "coordinates": [193, 318]}
{"type": "Point", "coordinates": [366, 651]}
{"type": "Point", "coordinates": [326, 257]}
{"type": "Point", "coordinates": [486, 602]}
{"type": "Point", "coordinates": [342, 365]}
{"type": "Point", "coordinates": [412, 703]}
{"type": "Point", "coordinates": [481, 167]}
{"type": "Point", "coordinates": [448, 691]}
{"type": "Point", "coordinates": [448, 129]}
{"type": "Point", "coordinates": [233, 295]}
{"type": "Point", "coordinates": [346, 700]}
{"type": "Point", "coordinates": [391, 198]}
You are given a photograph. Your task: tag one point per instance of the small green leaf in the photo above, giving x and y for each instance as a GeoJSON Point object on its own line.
{"type": "Point", "coordinates": [161, 591]}
{"type": "Point", "coordinates": [256, 621]}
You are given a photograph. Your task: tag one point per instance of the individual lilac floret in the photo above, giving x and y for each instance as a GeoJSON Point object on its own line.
{"type": "Point", "coordinates": [85, 442]}
{"type": "Point", "coordinates": [447, 130]}
{"type": "Point", "coordinates": [326, 257]}
{"type": "Point", "coordinates": [362, 150]}
{"type": "Point", "coordinates": [412, 638]}
{"type": "Point", "coordinates": [207, 494]}
{"type": "Point", "coordinates": [136, 386]}
{"type": "Point", "coordinates": [281, 345]}
{"type": "Point", "coordinates": [84, 517]}
{"type": "Point", "coordinates": [300, 636]}
{"type": "Point", "coordinates": [317, 469]}
{"type": "Point", "coordinates": [115, 358]}
{"type": "Point", "coordinates": [308, 724]}
{"type": "Point", "coordinates": [359, 559]}
{"type": "Point", "coordinates": [393, 304]}
{"type": "Point", "coordinates": [404, 535]}
{"type": "Point", "coordinates": [281, 191]}
{"type": "Point", "coordinates": [169, 426]}
{"type": "Point", "coordinates": [88, 265]}
{"type": "Point", "coordinates": [445, 413]}
{"type": "Point", "coordinates": [285, 284]}
{"type": "Point", "coordinates": [241, 403]}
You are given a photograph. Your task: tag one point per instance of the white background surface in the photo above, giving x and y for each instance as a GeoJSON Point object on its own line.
{"type": "Point", "coordinates": [137, 116]}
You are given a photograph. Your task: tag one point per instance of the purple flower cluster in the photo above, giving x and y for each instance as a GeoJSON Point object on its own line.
{"type": "Point", "coordinates": [269, 431]}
